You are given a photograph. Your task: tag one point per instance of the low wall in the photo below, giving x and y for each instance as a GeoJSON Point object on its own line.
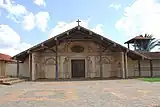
{"type": "Point", "coordinates": [145, 68]}
{"type": "Point", "coordinates": [11, 70]}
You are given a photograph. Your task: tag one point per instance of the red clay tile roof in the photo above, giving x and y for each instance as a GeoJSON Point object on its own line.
{"type": "Point", "coordinates": [4, 57]}
{"type": "Point", "coordinates": [152, 55]}
{"type": "Point", "coordinates": [137, 38]}
{"type": "Point", "coordinates": [141, 37]}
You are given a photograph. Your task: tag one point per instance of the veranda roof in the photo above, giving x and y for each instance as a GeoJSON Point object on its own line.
{"type": "Point", "coordinates": [137, 38]}
{"type": "Point", "coordinates": [87, 35]}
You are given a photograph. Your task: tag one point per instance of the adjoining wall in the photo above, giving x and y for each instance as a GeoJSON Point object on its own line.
{"type": "Point", "coordinates": [132, 68]}
{"type": "Point", "coordinates": [144, 66]}
{"type": "Point", "coordinates": [24, 68]}
{"type": "Point", "coordinates": [11, 69]}
{"type": "Point", "coordinates": [156, 67]}
{"type": "Point", "coordinates": [2, 68]}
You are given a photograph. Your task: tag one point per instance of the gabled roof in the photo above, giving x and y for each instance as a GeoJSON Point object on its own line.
{"type": "Point", "coordinates": [104, 40]}
{"type": "Point", "coordinates": [137, 38]}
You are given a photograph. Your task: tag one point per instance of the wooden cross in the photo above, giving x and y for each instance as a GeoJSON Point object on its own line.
{"type": "Point", "coordinates": [78, 21]}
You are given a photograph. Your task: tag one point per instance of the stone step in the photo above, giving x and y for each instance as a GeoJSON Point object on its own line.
{"type": "Point", "coordinates": [13, 82]}
{"type": "Point", "coordinates": [7, 79]}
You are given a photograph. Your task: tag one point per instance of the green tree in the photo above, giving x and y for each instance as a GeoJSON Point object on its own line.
{"type": "Point", "coordinates": [146, 44]}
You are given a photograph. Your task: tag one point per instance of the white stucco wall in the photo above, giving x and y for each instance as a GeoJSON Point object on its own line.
{"type": "Point", "coordinates": [11, 69]}
{"type": "Point", "coordinates": [132, 68]}
{"type": "Point", "coordinates": [156, 67]}
{"type": "Point", "coordinates": [145, 67]}
{"type": "Point", "coordinates": [2, 68]}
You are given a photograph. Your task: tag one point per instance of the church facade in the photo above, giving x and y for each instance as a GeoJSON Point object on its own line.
{"type": "Point", "coordinates": [81, 53]}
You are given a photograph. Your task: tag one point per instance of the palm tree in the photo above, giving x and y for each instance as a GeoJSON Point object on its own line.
{"type": "Point", "coordinates": [146, 44]}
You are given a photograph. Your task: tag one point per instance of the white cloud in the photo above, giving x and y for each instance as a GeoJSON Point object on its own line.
{"type": "Point", "coordinates": [39, 20]}
{"type": "Point", "coordinates": [29, 21]}
{"type": "Point", "coordinates": [6, 37]}
{"type": "Point", "coordinates": [116, 6]}
{"type": "Point", "coordinates": [63, 26]}
{"type": "Point", "coordinates": [19, 14]}
{"type": "Point", "coordinates": [42, 19]}
{"type": "Point", "coordinates": [40, 2]}
{"type": "Point", "coordinates": [10, 42]}
{"type": "Point", "coordinates": [15, 11]}
{"type": "Point", "coordinates": [139, 18]}
{"type": "Point", "coordinates": [98, 29]}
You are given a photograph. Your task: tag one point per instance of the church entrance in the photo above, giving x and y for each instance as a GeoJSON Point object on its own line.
{"type": "Point", "coordinates": [78, 68]}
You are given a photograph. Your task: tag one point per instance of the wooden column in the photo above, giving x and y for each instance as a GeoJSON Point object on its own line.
{"type": "Point", "coordinates": [126, 64]}
{"type": "Point", "coordinates": [101, 71]}
{"type": "Point", "coordinates": [128, 45]}
{"type": "Point", "coordinates": [151, 68]}
{"type": "Point", "coordinates": [30, 65]}
{"type": "Point", "coordinates": [123, 65]}
{"type": "Point", "coordinates": [33, 66]}
{"type": "Point", "coordinates": [134, 45]}
{"type": "Point", "coordinates": [56, 59]}
{"type": "Point", "coordinates": [17, 67]}
{"type": "Point", "coordinates": [139, 68]}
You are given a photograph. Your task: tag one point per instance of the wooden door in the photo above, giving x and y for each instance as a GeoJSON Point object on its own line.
{"type": "Point", "coordinates": [78, 68]}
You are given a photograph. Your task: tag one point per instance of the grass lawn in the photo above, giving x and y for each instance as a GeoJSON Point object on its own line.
{"type": "Point", "coordinates": [155, 79]}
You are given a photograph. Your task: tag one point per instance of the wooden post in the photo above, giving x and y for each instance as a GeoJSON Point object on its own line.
{"type": "Point", "coordinates": [123, 65]}
{"type": "Point", "coordinates": [134, 45]}
{"type": "Point", "coordinates": [139, 68]}
{"type": "Point", "coordinates": [126, 64]}
{"type": "Point", "coordinates": [30, 65]}
{"type": "Point", "coordinates": [128, 45]}
{"type": "Point", "coordinates": [56, 60]}
{"type": "Point", "coordinates": [17, 67]}
{"type": "Point", "coordinates": [151, 68]}
{"type": "Point", "coordinates": [101, 71]}
{"type": "Point", "coordinates": [33, 66]}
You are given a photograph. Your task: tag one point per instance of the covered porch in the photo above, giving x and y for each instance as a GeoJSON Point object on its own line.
{"type": "Point", "coordinates": [100, 58]}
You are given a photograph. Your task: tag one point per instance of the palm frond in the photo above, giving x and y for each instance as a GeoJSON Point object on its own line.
{"type": "Point", "coordinates": [149, 44]}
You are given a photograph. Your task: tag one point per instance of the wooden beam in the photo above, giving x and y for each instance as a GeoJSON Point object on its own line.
{"type": "Point", "coordinates": [139, 68]}
{"type": "Point", "coordinates": [44, 48]}
{"type": "Point", "coordinates": [17, 67]}
{"type": "Point", "coordinates": [90, 33]}
{"type": "Point", "coordinates": [151, 68]}
{"type": "Point", "coordinates": [79, 39]}
{"type": "Point", "coordinates": [67, 33]}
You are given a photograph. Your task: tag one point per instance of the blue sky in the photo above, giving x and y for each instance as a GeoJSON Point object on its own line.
{"type": "Point", "coordinates": [24, 23]}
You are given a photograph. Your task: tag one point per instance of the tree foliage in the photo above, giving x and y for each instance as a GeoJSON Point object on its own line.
{"type": "Point", "coordinates": [146, 44]}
